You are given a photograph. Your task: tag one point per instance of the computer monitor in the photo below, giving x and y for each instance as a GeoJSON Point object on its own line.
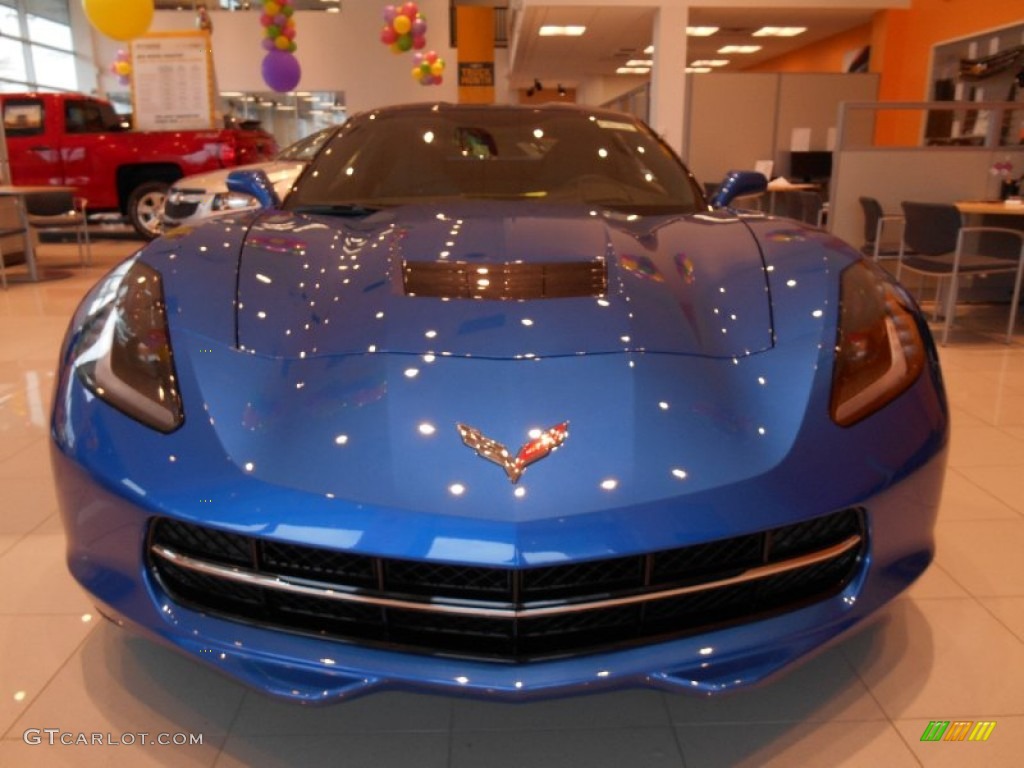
{"type": "Point", "coordinates": [810, 166]}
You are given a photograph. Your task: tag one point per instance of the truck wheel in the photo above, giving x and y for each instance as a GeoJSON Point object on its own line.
{"type": "Point", "coordinates": [144, 206]}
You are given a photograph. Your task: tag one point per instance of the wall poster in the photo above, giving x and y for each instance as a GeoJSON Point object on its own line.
{"type": "Point", "coordinates": [172, 81]}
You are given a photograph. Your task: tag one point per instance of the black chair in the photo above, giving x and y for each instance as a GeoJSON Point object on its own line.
{"type": "Point", "coordinates": [946, 249]}
{"type": "Point", "coordinates": [877, 223]}
{"type": "Point", "coordinates": [813, 208]}
{"type": "Point", "coordinates": [61, 210]}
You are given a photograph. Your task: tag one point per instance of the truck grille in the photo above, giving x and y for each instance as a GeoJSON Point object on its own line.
{"type": "Point", "coordinates": [507, 613]}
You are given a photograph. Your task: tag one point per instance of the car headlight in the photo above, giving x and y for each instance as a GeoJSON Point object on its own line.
{"type": "Point", "coordinates": [233, 201]}
{"type": "Point", "coordinates": [879, 350]}
{"type": "Point", "coordinates": [123, 352]}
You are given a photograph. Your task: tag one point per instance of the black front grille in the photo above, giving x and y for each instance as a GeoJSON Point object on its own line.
{"type": "Point", "coordinates": [506, 613]}
{"type": "Point", "coordinates": [179, 209]}
{"type": "Point", "coordinates": [505, 281]}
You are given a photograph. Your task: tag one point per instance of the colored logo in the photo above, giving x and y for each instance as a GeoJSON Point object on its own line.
{"type": "Point", "coordinates": [540, 446]}
{"type": "Point", "coordinates": [958, 730]}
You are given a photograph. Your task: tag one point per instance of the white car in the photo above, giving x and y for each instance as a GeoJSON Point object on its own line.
{"type": "Point", "coordinates": [195, 199]}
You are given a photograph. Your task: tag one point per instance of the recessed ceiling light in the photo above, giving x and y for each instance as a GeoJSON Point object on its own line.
{"type": "Point", "coordinates": [779, 31]}
{"type": "Point", "coordinates": [698, 70]}
{"type": "Point", "coordinates": [555, 30]}
{"type": "Point", "coordinates": [709, 63]}
{"type": "Point", "coordinates": [633, 70]}
{"type": "Point", "coordinates": [701, 31]}
{"type": "Point", "coordinates": [649, 50]}
{"type": "Point", "coordinates": [739, 49]}
{"type": "Point", "coordinates": [640, 63]}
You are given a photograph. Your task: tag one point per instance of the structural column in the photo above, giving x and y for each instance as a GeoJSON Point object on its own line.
{"type": "Point", "coordinates": [476, 53]}
{"type": "Point", "coordinates": [668, 76]}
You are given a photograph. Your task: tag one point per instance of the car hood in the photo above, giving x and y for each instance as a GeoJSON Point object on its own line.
{"type": "Point", "coordinates": [282, 174]}
{"type": "Point", "coordinates": [564, 282]}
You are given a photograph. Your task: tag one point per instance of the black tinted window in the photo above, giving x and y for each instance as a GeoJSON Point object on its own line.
{"type": "Point", "coordinates": [552, 155]}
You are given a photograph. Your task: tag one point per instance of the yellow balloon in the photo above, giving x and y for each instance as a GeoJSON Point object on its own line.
{"type": "Point", "coordinates": [119, 19]}
{"type": "Point", "coordinates": [417, 74]}
{"type": "Point", "coordinates": [282, 43]}
{"type": "Point", "coordinates": [401, 24]}
{"type": "Point", "coordinates": [437, 68]}
{"type": "Point", "coordinates": [123, 68]}
{"type": "Point", "coordinates": [271, 8]}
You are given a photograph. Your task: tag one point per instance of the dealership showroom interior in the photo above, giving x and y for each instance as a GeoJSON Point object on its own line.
{"type": "Point", "coordinates": [493, 383]}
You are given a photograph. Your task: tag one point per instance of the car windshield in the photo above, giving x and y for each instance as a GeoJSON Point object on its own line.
{"type": "Point", "coordinates": [557, 156]}
{"type": "Point", "coordinates": [304, 149]}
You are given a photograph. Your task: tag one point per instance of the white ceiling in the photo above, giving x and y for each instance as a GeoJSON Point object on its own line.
{"type": "Point", "coordinates": [617, 34]}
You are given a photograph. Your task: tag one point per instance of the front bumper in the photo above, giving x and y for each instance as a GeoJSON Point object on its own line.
{"type": "Point", "coordinates": [108, 537]}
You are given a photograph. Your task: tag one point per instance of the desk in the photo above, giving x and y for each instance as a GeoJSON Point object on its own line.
{"type": "Point", "coordinates": [989, 208]}
{"type": "Point", "coordinates": [18, 194]}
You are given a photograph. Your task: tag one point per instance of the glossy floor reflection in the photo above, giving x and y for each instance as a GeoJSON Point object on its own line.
{"type": "Point", "coordinates": [951, 649]}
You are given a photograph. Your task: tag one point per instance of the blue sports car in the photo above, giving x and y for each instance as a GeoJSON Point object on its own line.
{"type": "Point", "coordinates": [497, 403]}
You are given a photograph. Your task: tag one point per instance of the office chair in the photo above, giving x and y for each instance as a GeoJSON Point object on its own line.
{"type": "Point", "coordinates": [876, 222]}
{"type": "Point", "coordinates": [946, 249]}
{"type": "Point", "coordinates": [61, 210]}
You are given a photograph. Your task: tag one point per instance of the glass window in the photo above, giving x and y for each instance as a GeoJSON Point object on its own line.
{"type": "Point", "coordinates": [86, 116]}
{"type": "Point", "coordinates": [9, 24]}
{"type": "Point", "coordinates": [36, 46]}
{"type": "Point", "coordinates": [50, 33]}
{"type": "Point", "coordinates": [12, 60]}
{"type": "Point", "coordinates": [54, 69]}
{"type": "Point", "coordinates": [23, 117]}
{"type": "Point", "coordinates": [55, 10]}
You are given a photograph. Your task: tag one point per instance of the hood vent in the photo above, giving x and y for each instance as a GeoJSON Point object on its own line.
{"type": "Point", "coordinates": [514, 281]}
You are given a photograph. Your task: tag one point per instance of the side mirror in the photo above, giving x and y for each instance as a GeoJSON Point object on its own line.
{"type": "Point", "coordinates": [738, 184]}
{"type": "Point", "coordinates": [255, 184]}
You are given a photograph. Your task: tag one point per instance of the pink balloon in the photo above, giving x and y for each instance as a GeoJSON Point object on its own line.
{"type": "Point", "coordinates": [388, 35]}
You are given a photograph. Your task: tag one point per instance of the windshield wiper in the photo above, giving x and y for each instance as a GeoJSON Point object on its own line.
{"type": "Point", "coordinates": [337, 209]}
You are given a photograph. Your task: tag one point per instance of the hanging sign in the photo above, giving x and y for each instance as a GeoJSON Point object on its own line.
{"type": "Point", "coordinates": [173, 81]}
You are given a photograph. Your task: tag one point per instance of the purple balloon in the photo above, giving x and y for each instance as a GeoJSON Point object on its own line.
{"type": "Point", "coordinates": [389, 13]}
{"type": "Point", "coordinates": [281, 71]}
{"type": "Point", "coordinates": [419, 27]}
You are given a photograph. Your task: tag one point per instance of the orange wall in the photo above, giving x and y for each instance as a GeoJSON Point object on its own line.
{"type": "Point", "coordinates": [824, 56]}
{"type": "Point", "coordinates": [911, 35]}
{"type": "Point", "coordinates": [901, 49]}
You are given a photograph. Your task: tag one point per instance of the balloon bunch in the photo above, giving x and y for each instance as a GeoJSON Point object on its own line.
{"type": "Point", "coordinates": [429, 68]}
{"type": "Point", "coordinates": [122, 67]}
{"type": "Point", "coordinates": [278, 26]}
{"type": "Point", "coordinates": [119, 19]}
{"type": "Point", "coordinates": [404, 28]}
{"type": "Point", "coordinates": [281, 68]}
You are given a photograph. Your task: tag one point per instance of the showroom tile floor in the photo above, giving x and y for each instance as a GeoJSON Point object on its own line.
{"type": "Point", "coordinates": [950, 649]}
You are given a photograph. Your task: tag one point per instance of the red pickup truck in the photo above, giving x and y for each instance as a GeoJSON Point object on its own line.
{"type": "Point", "coordinates": [78, 141]}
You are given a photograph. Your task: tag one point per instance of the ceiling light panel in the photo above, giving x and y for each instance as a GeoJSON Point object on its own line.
{"type": "Point", "coordinates": [779, 31]}
{"type": "Point", "coordinates": [739, 49]}
{"type": "Point", "coordinates": [557, 30]}
{"type": "Point", "coordinates": [701, 31]}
